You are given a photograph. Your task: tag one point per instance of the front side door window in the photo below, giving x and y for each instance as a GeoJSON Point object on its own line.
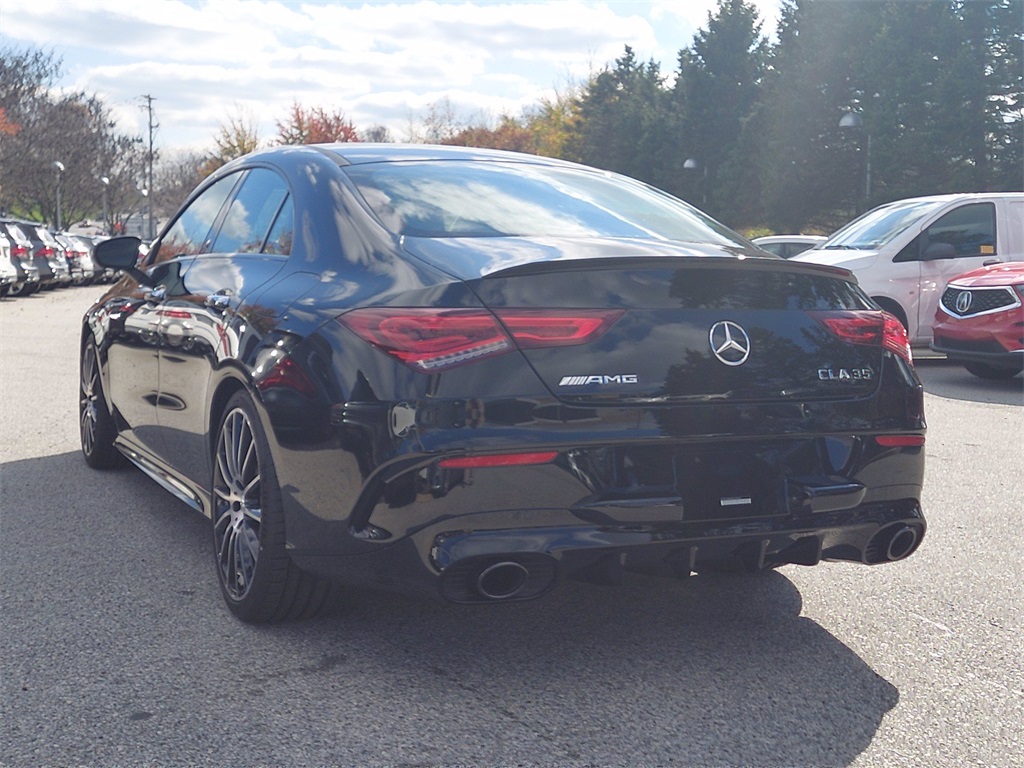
{"type": "Point", "coordinates": [970, 229]}
{"type": "Point", "coordinates": [190, 233]}
{"type": "Point", "coordinates": [251, 213]}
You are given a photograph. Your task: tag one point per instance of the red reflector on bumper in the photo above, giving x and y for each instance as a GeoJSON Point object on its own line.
{"type": "Point", "coordinates": [899, 441]}
{"type": "Point", "coordinates": [499, 460]}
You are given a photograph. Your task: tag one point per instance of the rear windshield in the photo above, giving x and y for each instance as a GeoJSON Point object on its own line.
{"type": "Point", "coordinates": [500, 199]}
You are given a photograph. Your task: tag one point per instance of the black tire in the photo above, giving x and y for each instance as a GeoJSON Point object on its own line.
{"type": "Point", "coordinates": [258, 579]}
{"type": "Point", "coordinates": [95, 424]}
{"type": "Point", "coordinates": [986, 371]}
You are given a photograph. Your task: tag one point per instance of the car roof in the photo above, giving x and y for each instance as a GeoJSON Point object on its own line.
{"type": "Point", "coordinates": [358, 153]}
{"type": "Point", "coordinates": [964, 196]}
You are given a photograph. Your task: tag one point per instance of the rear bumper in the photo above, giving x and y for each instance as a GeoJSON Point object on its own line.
{"type": "Point", "coordinates": [468, 566]}
{"type": "Point", "coordinates": [749, 505]}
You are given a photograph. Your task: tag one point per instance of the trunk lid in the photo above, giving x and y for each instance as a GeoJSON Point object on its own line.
{"type": "Point", "coordinates": [695, 329]}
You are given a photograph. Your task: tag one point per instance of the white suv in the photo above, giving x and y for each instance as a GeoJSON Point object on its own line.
{"type": "Point", "coordinates": [905, 252]}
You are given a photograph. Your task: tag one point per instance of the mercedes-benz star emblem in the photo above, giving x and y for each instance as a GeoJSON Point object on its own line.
{"type": "Point", "coordinates": [963, 302]}
{"type": "Point", "coordinates": [729, 343]}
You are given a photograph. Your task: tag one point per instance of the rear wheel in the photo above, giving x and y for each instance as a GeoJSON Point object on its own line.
{"type": "Point", "coordinates": [986, 371]}
{"type": "Point", "coordinates": [96, 425]}
{"type": "Point", "coordinates": [258, 579]}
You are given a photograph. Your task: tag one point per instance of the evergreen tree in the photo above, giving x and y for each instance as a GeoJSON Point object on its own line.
{"type": "Point", "coordinates": [812, 174]}
{"type": "Point", "coordinates": [718, 85]}
{"type": "Point", "coordinates": [621, 124]}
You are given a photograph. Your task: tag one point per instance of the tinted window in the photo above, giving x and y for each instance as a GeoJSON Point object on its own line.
{"type": "Point", "coordinates": [970, 229]}
{"type": "Point", "coordinates": [191, 230]}
{"type": "Point", "coordinates": [251, 213]}
{"type": "Point", "coordinates": [482, 199]}
{"type": "Point", "coordinates": [282, 233]}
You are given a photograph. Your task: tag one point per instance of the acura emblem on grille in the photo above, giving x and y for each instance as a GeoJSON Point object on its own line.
{"type": "Point", "coordinates": [729, 343]}
{"type": "Point", "coordinates": [963, 302]}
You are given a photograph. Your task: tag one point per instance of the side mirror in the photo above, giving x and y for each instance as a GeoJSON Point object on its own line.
{"type": "Point", "coordinates": [122, 253]}
{"type": "Point", "coordinates": [118, 252]}
{"type": "Point", "coordinates": [936, 251]}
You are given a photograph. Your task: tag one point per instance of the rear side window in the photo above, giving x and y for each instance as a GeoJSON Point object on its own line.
{"type": "Point", "coordinates": [251, 214]}
{"type": "Point", "coordinates": [283, 232]}
{"type": "Point", "coordinates": [970, 229]}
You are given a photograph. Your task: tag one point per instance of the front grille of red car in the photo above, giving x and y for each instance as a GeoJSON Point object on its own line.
{"type": "Point", "coordinates": [964, 302]}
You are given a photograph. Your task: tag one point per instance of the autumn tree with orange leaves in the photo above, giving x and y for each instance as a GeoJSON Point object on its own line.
{"type": "Point", "coordinates": [315, 126]}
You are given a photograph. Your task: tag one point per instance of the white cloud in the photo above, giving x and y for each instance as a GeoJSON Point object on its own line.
{"type": "Point", "coordinates": [379, 62]}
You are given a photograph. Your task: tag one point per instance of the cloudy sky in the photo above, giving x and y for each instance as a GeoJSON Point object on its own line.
{"type": "Point", "coordinates": [205, 61]}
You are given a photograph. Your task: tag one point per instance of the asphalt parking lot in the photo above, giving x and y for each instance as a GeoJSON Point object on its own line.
{"type": "Point", "coordinates": [117, 650]}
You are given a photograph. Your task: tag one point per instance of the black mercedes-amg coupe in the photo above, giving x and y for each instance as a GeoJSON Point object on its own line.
{"type": "Point", "coordinates": [468, 373]}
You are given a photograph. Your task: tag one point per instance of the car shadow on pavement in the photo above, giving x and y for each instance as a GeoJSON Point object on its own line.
{"type": "Point", "coordinates": [108, 588]}
{"type": "Point", "coordinates": [951, 380]}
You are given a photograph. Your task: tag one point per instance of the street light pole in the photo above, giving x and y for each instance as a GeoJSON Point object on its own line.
{"type": "Point", "coordinates": [60, 169]}
{"type": "Point", "coordinates": [854, 120]}
{"type": "Point", "coordinates": [106, 224]}
{"type": "Point", "coordinates": [693, 164]}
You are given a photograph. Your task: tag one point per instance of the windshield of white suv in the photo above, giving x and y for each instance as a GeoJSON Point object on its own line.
{"type": "Point", "coordinates": [879, 226]}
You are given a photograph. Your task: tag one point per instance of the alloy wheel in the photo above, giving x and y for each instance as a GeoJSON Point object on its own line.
{"type": "Point", "coordinates": [88, 414]}
{"type": "Point", "coordinates": [237, 506]}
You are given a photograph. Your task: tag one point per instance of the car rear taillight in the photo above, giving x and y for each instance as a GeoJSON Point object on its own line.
{"type": "Point", "coordinates": [46, 252]}
{"type": "Point", "coordinates": [871, 327]}
{"type": "Point", "coordinates": [542, 328]}
{"type": "Point", "coordinates": [431, 340]}
{"type": "Point", "coordinates": [19, 251]}
{"type": "Point", "coordinates": [895, 337]}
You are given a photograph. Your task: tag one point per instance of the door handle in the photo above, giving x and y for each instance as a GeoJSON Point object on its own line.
{"type": "Point", "coordinates": [990, 262]}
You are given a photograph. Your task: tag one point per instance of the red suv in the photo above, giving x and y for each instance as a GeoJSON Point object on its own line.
{"type": "Point", "coordinates": [980, 321]}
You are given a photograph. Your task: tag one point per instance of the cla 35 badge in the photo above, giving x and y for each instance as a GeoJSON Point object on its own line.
{"type": "Point", "coordinates": [844, 374]}
{"type": "Point", "coordinates": [729, 343]}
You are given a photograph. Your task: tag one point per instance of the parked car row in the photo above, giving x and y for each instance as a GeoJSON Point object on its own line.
{"type": "Point", "coordinates": [33, 258]}
{"type": "Point", "coordinates": [949, 267]}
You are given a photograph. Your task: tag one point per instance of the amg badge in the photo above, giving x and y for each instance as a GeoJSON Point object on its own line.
{"type": "Point", "coordinates": [579, 381]}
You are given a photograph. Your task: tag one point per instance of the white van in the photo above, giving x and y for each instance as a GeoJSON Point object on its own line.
{"type": "Point", "coordinates": [905, 252]}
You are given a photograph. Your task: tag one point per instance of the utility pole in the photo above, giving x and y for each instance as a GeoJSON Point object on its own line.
{"type": "Point", "coordinates": [149, 165]}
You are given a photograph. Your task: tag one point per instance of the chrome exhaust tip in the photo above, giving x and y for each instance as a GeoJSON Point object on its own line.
{"type": "Point", "coordinates": [892, 543]}
{"type": "Point", "coordinates": [502, 581]}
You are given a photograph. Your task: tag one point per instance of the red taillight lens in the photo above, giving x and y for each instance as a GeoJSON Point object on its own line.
{"type": "Point", "coordinates": [900, 441]}
{"type": "Point", "coordinates": [427, 339]}
{"type": "Point", "coordinates": [46, 251]}
{"type": "Point", "coordinates": [895, 338]}
{"type": "Point", "coordinates": [868, 327]}
{"type": "Point", "coordinates": [431, 340]}
{"type": "Point", "coordinates": [542, 328]}
{"type": "Point", "coordinates": [499, 460]}
{"type": "Point", "coordinates": [19, 250]}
